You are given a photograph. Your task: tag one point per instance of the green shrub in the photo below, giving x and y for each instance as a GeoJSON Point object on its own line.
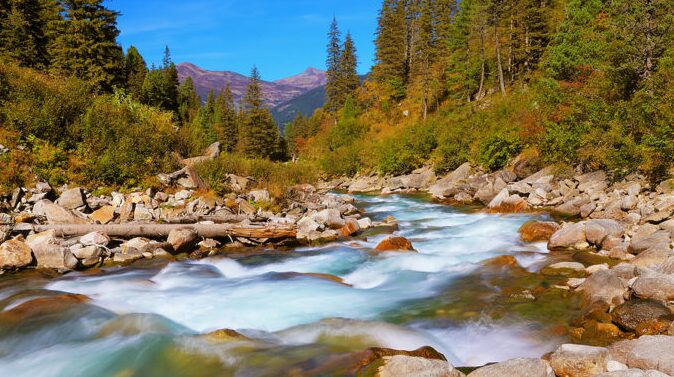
{"type": "Point", "coordinates": [496, 151]}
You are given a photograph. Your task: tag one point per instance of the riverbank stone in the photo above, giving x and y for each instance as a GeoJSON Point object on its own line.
{"type": "Point", "coordinates": [183, 240]}
{"type": "Point", "coordinates": [15, 254]}
{"type": "Point", "coordinates": [516, 367]}
{"type": "Point", "coordinates": [538, 231]}
{"type": "Point", "coordinates": [574, 360]}
{"type": "Point", "coordinates": [395, 243]}
{"type": "Point", "coordinates": [654, 352]}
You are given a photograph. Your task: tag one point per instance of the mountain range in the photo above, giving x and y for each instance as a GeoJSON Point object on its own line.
{"type": "Point", "coordinates": [302, 93]}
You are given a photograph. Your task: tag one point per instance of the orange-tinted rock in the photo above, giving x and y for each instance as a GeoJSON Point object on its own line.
{"type": "Point", "coordinates": [350, 228]}
{"type": "Point", "coordinates": [42, 306]}
{"type": "Point", "coordinates": [395, 244]}
{"type": "Point", "coordinates": [225, 335]}
{"type": "Point", "coordinates": [537, 231]}
{"type": "Point", "coordinates": [103, 215]}
{"type": "Point", "coordinates": [503, 260]}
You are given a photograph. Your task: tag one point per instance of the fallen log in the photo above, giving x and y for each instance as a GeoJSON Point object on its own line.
{"type": "Point", "coordinates": [218, 219]}
{"type": "Point", "coordinates": [131, 230]}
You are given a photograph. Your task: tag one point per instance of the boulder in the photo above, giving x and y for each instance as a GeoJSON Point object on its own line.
{"type": "Point", "coordinates": [350, 228]}
{"type": "Point", "coordinates": [142, 213]}
{"type": "Point", "coordinates": [660, 239]}
{"type": "Point", "coordinates": [655, 286]}
{"type": "Point", "coordinates": [596, 231]}
{"type": "Point", "coordinates": [365, 223]}
{"type": "Point", "coordinates": [636, 312]}
{"type": "Point", "coordinates": [260, 196]}
{"type": "Point", "coordinates": [366, 184]}
{"type": "Point", "coordinates": [603, 287]}
{"type": "Point", "coordinates": [183, 240]}
{"type": "Point", "coordinates": [330, 217]}
{"type": "Point", "coordinates": [652, 258]}
{"type": "Point", "coordinates": [649, 352]}
{"type": "Point", "coordinates": [538, 231]}
{"type": "Point", "coordinates": [95, 238]}
{"type": "Point", "coordinates": [447, 186]}
{"type": "Point", "coordinates": [127, 255]}
{"type": "Point", "coordinates": [569, 236]}
{"type": "Point", "coordinates": [15, 254]}
{"type": "Point", "coordinates": [405, 366]}
{"type": "Point", "coordinates": [88, 253]}
{"type": "Point", "coordinates": [103, 215]}
{"type": "Point", "coordinates": [55, 214]}
{"type": "Point", "coordinates": [516, 367]}
{"type": "Point", "coordinates": [395, 243]}
{"type": "Point", "coordinates": [633, 373]}
{"type": "Point", "coordinates": [506, 203]}
{"type": "Point", "coordinates": [6, 225]}
{"type": "Point", "coordinates": [49, 252]}
{"type": "Point", "coordinates": [71, 199]}
{"type": "Point", "coordinates": [573, 360]}
{"type": "Point", "coordinates": [245, 207]}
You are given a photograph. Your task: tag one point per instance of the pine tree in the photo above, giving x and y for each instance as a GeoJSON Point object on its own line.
{"type": "Point", "coordinates": [226, 119]}
{"type": "Point", "coordinates": [135, 71]}
{"type": "Point", "coordinates": [332, 90]}
{"type": "Point", "coordinates": [425, 51]}
{"type": "Point", "coordinates": [348, 80]}
{"type": "Point", "coordinates": [189, 102]}
{"type": "Point", "coordinates": [171, 82]}
{"type": "Point", "coordinates": [23, 34]}
{"type": "Point", "coordinates": [85, 44]}
{"type": "Point", "coordinates": [260, 135]}
{"type": "Point", "coordinates": [391, 55]}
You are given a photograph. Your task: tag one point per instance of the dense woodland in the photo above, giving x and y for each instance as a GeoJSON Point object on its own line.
{"type": "Point", "coordinates": [586, 82]}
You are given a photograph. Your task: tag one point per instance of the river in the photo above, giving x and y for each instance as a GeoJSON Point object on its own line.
{"type": "Point", "coordinates": [149, 319]}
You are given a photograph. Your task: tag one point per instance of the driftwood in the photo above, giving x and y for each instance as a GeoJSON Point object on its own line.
{"type": "Point", "coordinates": [218, 219]}
{"type": "Point", "coordinates": [132, 230]}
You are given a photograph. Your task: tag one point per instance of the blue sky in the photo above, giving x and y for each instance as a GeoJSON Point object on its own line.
{"type": "Point", "coordinates": [281, 37]}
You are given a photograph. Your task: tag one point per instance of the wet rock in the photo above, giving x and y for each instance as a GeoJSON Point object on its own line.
{"type": "Point", "coordinates": [538, 231]}
{"type": "Point", "coordinates": [350, 228]}
{"type": "Point", "coordinates": [635, 312]}
{"type": "Point", "coordinates": [38, 308]}
{"type": "Point", "coordinates": [15, 254]}
{"type": "Point", "coordinates": [103, 215]}
{"type": "Point", "coordinates": [95, 238]}
{"type": "Point", "coordinates": [365, 223]}
{"type": "Point", "coordinates": [603, 287]}
{"type": "Point", "coordinates": [405, 366]}
{"type": "Point", "coordinates": [564, 269]}
{"type": "Point", "coordinates": [183, 240]}
{"type": "Point", "coordinates": [516, 367]}
{"type": "Point", "coordinates": [395, 244]}
{"type": "Point", "coordinates": [71, 199]}
{"type": "Point", "coordinates": [572, 360]}
{"type": "Point", "coordinates": [655, 286]}
{"type": "Point", "coordinates": [49, 252]}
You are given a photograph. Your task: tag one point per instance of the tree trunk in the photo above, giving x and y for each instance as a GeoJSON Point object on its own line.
{"type": "Point", "coordinates": [132, 230]}
{"type": "Point", "coordinates": [501, 80]}
{"type": "Point", "coordinates": [480, 91]}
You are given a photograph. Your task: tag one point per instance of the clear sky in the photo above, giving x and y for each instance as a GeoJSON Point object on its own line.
{"type": "Point", "coordinates": [281, 37]}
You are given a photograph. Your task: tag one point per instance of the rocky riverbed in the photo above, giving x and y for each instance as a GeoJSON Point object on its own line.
{"type": "Point", "coordinates": [610, 243]}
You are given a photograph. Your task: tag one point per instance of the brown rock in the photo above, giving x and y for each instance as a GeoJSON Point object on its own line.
{"type": "Point", "coordinates": [395, 244]}
{"type": "Point", "coordinates": [103, 215]}
{"type": "Point", "coordinates": [350, 228]}
{"type": "Point", "coordinates": [633, 313]}
{"type": "Point", "coordinates": [183, 240]}
{"type": "Point", "coordinates": [516, 367]}
{"type": "Point", "coordinates": [572, 360]}
{"type": "Point", "coordinates": [536, 231]}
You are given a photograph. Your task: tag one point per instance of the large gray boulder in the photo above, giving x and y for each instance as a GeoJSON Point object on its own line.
{"type": "Point", "coordinates": [447, 186]}
{"type": "Point", "coordinates": [15, 254]}
{"type": "Point", "coordinates": [71, 199]}
{"type": "Point", "coordinates": [596, 231]}
{"type": "Point", "coordinates": [574, 360]}
{"type": "Point", "coordinates": [406, 366]}
{"type": "Point", "coordinates": [366, 184]}
{"type": "Point", "coordinates": [330, 218]}
{"type": "Point", "coordinates": [49, 252]}
{"type": "Point", "coordinates": [55, 214]}
{"type": "Point", "coordinates": [516, 368]}
{"type": "Point", "coordinates": [570, 236]}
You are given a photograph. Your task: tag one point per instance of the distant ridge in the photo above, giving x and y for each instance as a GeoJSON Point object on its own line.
{"type": "Point", "coordinates": [279, 95]}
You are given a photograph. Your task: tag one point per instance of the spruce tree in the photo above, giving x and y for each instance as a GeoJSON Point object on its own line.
{"type": "Point", "coordinates": [391, 47]}
{"type": "Point", "coordinates": [332, 89]}
{"type": "Point", "coordinates": [348, 80]}
{"type": "Point", "coordinates": [135, 71]}
{"type": "Point", "coordinates": [226, 119]}
{"type": "Point", "coordinates": [23, 34]}
{"type": "Point", "coordinates": [260, 135]}
{"type": "Point", "coordinates": [171, 82]}
{"type": "Point", "coordinates": [85, 43]}
{"type": "Point", "coordinates": [189, 102]}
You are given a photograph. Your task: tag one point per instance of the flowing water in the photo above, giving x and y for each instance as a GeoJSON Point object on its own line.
{"type": "Point", "coordinates": [150, 319]}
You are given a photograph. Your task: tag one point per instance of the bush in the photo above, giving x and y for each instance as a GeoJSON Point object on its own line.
{"type": "Point", "coordinates": [496, 151]}
{"type": "Point", "coordinates": [408, 150]}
